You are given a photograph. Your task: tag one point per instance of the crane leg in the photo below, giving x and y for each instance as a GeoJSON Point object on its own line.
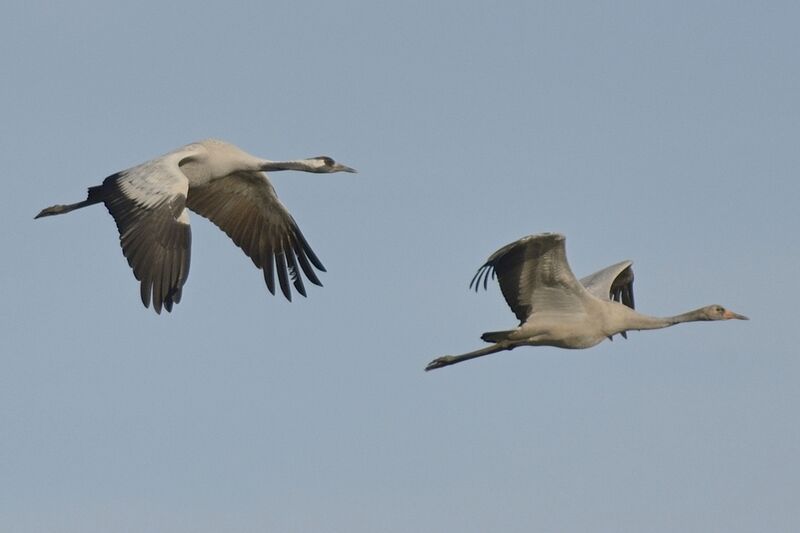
{"type": "Point", "coordinates": [447, 360]}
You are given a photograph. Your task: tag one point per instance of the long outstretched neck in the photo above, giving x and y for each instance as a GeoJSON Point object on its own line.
{"type": "Point", "coordinates": [306, 165]}
{"type": "Point", "coordinates": [640, 322]}
{"type": "Point", "coordinates": [448, 360]}
{"type": "Point", "coordinates": [690, 316]}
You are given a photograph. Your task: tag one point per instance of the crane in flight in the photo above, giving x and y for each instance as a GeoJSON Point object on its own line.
{"type": "Point", "coordinates": [556, 309]}
{"type": "Point", "coordinates": [219, 181]}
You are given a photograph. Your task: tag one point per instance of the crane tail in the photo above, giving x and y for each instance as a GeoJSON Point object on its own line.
{"type": "Point", "coordinates": [496, 336]}
{"type": "Point", "coordinates": [447, 360]}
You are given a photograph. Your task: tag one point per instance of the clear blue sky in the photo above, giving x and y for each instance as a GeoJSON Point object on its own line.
{"type": "Point", "coordinates": [660, 132]}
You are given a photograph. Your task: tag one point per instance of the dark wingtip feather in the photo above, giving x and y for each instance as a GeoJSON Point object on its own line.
{"type": "Point", "coordinates": [269, 273]}
{"type": "Point", "coordinates": [307, 268]}
{"type": "Point", "coordinates": [476, 279]}
{"type": "Point", "coordinates": [307, 249]}
{"type": "Point", "coordinates": [298, 285]}
{"type": "Point", "coordinates": [156, 296]}
{"type": "Point", "coordinates": [283, 278]}
{"type": "Point", "coordinates": [144, 291]}
{"type": "Point", "coordinates": [294, 272]}
{"type": "Point", "coordinates": [482, 275]}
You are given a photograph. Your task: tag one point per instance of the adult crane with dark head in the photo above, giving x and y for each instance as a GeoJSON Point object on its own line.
{"type": "Point", "coordinates": [221, 182]}
{"type": "Point", "coordinates": [556, 309]}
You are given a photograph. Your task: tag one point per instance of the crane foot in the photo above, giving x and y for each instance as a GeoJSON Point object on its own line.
{"type": "Point", "coordinates": [439, 362]}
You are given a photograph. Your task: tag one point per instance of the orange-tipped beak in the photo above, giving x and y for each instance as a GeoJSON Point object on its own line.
{"type": "Point", "coordinates": [727, 315]}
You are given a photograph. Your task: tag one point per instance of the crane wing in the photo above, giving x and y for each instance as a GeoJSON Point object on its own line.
{"type": "Point", "coordinates": [244, 205]}
{"type": "Point", "coordinates": [612, 283]}
{"type": "Point", "coordinates": [148, 203]}
{"type": "Point", "coordinates": [534, 276]}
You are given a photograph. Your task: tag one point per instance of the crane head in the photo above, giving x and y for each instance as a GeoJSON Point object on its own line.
{"type": "Point", "coordinates": [717, 312]}
{"type": "Point", "coordinates": [325, 165]}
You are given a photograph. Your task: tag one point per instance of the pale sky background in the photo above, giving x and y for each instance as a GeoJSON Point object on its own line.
{"type": "Point", "coordinates": [666, 133]}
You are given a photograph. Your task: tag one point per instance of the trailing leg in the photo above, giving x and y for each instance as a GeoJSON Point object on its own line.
{"type": "Point", "coordinates": [447, 360]}
{"type": "Point", "coordinates": [95, 197]}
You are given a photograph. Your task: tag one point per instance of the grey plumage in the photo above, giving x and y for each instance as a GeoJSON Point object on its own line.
{"type": "Point", "coordinates": [222, 183]}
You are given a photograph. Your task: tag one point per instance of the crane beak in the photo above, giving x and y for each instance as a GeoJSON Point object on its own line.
{"type": "Point", "coordinates": [727, 315]}
{"type": "Point", "coordinates": [344, 168]}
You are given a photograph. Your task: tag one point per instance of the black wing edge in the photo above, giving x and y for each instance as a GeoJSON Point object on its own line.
{"type": "Point", "coordinates": [294, 256]}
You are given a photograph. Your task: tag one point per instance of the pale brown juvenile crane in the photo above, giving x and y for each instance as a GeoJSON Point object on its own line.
{"type": "Point", "coordinates": [555, 309]}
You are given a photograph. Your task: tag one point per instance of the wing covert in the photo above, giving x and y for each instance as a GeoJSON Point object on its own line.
{"type": "Point", "coordinates": [534, 276]}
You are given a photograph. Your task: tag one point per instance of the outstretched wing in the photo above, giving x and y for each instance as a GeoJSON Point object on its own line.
{"type": "Point", "coordinates": [244, 205]}
{"type": "Point", "coordinates": [612, 283]}
{"type": "Point", "coordinates": [534, 276]}
{"type": "Point", "coordinates": [148, 203]}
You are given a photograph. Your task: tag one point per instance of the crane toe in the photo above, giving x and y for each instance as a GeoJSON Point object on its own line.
{"type": "Point", "coordinates": [439, 362]}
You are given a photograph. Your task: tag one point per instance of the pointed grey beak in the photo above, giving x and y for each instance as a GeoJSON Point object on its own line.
{"type": "Point", "coordinates": [730, 314]}
{"type": "Point", "coordinates": [344, 168]}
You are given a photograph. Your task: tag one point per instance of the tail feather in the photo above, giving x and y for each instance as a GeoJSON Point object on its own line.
{"type": "Point", "coordinates": [496, 336]}
{"type": "Point", "coordinates": [95, 196]}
